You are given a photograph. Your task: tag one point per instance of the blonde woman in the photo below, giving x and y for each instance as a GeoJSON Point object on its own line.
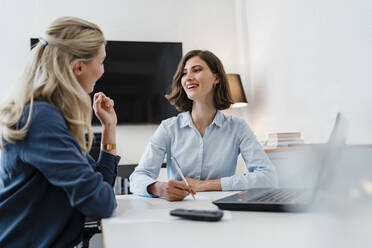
{"type": "Point", "coordinates": [48, 182]}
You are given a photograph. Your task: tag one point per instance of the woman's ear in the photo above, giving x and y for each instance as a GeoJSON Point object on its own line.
{"type": "Point", "coordinates": [77, 68]}
{"type": "Point", "coordinates": [217, 80]}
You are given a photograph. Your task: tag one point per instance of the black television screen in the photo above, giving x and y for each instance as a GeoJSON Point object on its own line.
{"type": "Point", "coordinates": [137, 75]}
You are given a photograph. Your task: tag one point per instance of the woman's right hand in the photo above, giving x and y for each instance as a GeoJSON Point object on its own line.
{"type": "Point", "coordinates": [172, 191]}
{"type": "Point", "coordinates": [103, 107]}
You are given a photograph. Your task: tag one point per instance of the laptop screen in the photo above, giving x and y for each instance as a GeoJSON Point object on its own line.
{"type": "Point", "coordinates": [332, 154]}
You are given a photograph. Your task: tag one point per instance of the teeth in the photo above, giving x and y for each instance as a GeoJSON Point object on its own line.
{"type": "Point", "coordinates": [191, 86]}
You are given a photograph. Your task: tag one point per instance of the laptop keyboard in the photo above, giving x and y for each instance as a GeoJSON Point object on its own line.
{"type": "Point", "coordinates": [279, 195]}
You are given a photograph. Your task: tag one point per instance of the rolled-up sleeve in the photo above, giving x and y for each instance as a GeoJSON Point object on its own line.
{"type": "Point", "coordinates": [107, 165]}
{"type": "Point", "coordinates": [261, 172]}
{"type": "Point", "coordinates": [150, 163]}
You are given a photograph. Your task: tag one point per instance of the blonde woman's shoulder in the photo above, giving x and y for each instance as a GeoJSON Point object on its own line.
{"type": "Point", "coordinates": [46, 111]}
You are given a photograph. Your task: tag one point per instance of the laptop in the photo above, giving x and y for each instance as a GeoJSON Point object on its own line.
{"type": "Point", "coordinates": [292, 199]}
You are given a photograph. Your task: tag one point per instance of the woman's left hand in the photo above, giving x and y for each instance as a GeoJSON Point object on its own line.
{"type": "Point", "coordinates": [197, 185]}
{"type": "Point", "coordinates": [204, 185]}
{"type": "Point", "coordinates": [104, 109]}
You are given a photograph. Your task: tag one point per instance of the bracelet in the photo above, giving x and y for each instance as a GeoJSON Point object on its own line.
{"type": "Point", "coordinates": [108, 147]}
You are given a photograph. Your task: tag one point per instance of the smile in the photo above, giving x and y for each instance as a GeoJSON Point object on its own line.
{"type": "Point", "coordinates": [191, 86]}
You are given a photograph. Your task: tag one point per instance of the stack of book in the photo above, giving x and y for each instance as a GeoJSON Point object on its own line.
{"type": "Point", "coordinates": [283, 139]}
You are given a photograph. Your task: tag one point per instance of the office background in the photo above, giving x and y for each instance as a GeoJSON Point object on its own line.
{"type": "Point", "coordinates": [300, 61]}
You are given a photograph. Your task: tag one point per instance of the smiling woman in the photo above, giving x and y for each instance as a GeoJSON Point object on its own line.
{"type": "Point", "coordinates": [48, 181]}
{"type": "Point", "coordinates": [205, 62]}
{"type": "Point", "coordinates": [198, 80]}
{"type": "Point", "coordinates": [205, 142]}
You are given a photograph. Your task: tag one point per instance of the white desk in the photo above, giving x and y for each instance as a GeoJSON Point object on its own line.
{"type": "Point", "coordinates": [145, 222]}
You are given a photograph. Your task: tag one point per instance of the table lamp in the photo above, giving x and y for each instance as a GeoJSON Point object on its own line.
{"type": "Point", "coordinates": [236, 90]}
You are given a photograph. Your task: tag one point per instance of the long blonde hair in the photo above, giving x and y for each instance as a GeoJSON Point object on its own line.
{"type": "Point", "coordinates": [49, 77]}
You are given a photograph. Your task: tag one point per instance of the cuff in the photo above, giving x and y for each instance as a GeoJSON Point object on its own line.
{"type": "Point", "coordinates": [145, 192]}
{"type": "Point", "coordinates": [140, 187]}
{"type": "Point", "coordinates": [226, 184]}
{"type": "Point", "coordinates": [108, 158]}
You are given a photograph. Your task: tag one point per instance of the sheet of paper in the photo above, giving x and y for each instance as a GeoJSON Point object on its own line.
{"type": "Point", "coordinates": [197, 197]}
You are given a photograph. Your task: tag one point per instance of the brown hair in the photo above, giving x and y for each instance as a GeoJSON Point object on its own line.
{"type": "Point", "coordinates": [222, 97]}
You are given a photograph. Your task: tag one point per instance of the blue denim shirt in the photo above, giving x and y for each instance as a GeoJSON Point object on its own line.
{"type": "Point", "coordinates": [48, 186]}
{"type": "Point", "coordinates": [211, 156]}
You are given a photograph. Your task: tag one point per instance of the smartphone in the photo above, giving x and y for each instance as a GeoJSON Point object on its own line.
{"type": "Point", "coordinates": [196, 214]}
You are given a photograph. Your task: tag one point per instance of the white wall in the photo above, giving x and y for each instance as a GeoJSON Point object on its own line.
{"type": "Point", "coordinates": [207, 24]}
{"type": "Point", "coordinates": [300, 61]}
{"type": "Point", "coordinates": [307, 60]}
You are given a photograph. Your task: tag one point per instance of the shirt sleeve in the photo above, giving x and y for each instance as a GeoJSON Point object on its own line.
{"type": "Point", "coordinates": [106, 165]}
{"type": "Point", "coordinates": [150, 163]}
{"type": "Point", "coordinates": [51, 149]}
{"type": "Point", "coordinates": [261, 172]}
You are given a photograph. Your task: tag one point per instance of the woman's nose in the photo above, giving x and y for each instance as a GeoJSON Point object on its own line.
{"type": "Point", "coordinates": [189, 76]}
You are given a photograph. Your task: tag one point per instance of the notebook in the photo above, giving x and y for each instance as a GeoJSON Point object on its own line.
{"type": "Point", "coordinates": [292, 199]}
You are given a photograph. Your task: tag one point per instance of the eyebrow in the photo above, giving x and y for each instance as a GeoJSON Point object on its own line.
{"type": "Point", "coordinates": [193, 66]}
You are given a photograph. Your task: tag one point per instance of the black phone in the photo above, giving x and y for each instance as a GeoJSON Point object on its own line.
{"type": "Point", "coordinates": [197, 214]}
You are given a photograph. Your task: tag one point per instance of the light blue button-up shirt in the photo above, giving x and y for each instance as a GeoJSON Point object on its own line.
{"type": "Point", "coordinates": [211, 156]}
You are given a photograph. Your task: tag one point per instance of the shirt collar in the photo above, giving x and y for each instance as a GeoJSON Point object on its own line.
{"type": "Point", "coordinates": [219, 119]}
{"type": "Point", "coordinates": [186, 119]}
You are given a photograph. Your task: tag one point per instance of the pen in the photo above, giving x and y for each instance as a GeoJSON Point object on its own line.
{"type": "Point", "coordinates": [181, 174]}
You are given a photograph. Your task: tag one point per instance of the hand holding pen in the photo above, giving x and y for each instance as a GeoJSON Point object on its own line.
{"type": "Point", "coordinates": [182, 176]}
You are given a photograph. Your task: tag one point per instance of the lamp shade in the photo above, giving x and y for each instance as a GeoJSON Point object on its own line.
{"type": "Point", "coordinates": [236, 90]}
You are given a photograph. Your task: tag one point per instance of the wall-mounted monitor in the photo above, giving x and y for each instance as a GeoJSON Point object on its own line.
{"type": "Point", "coordinates": [137, 75]}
